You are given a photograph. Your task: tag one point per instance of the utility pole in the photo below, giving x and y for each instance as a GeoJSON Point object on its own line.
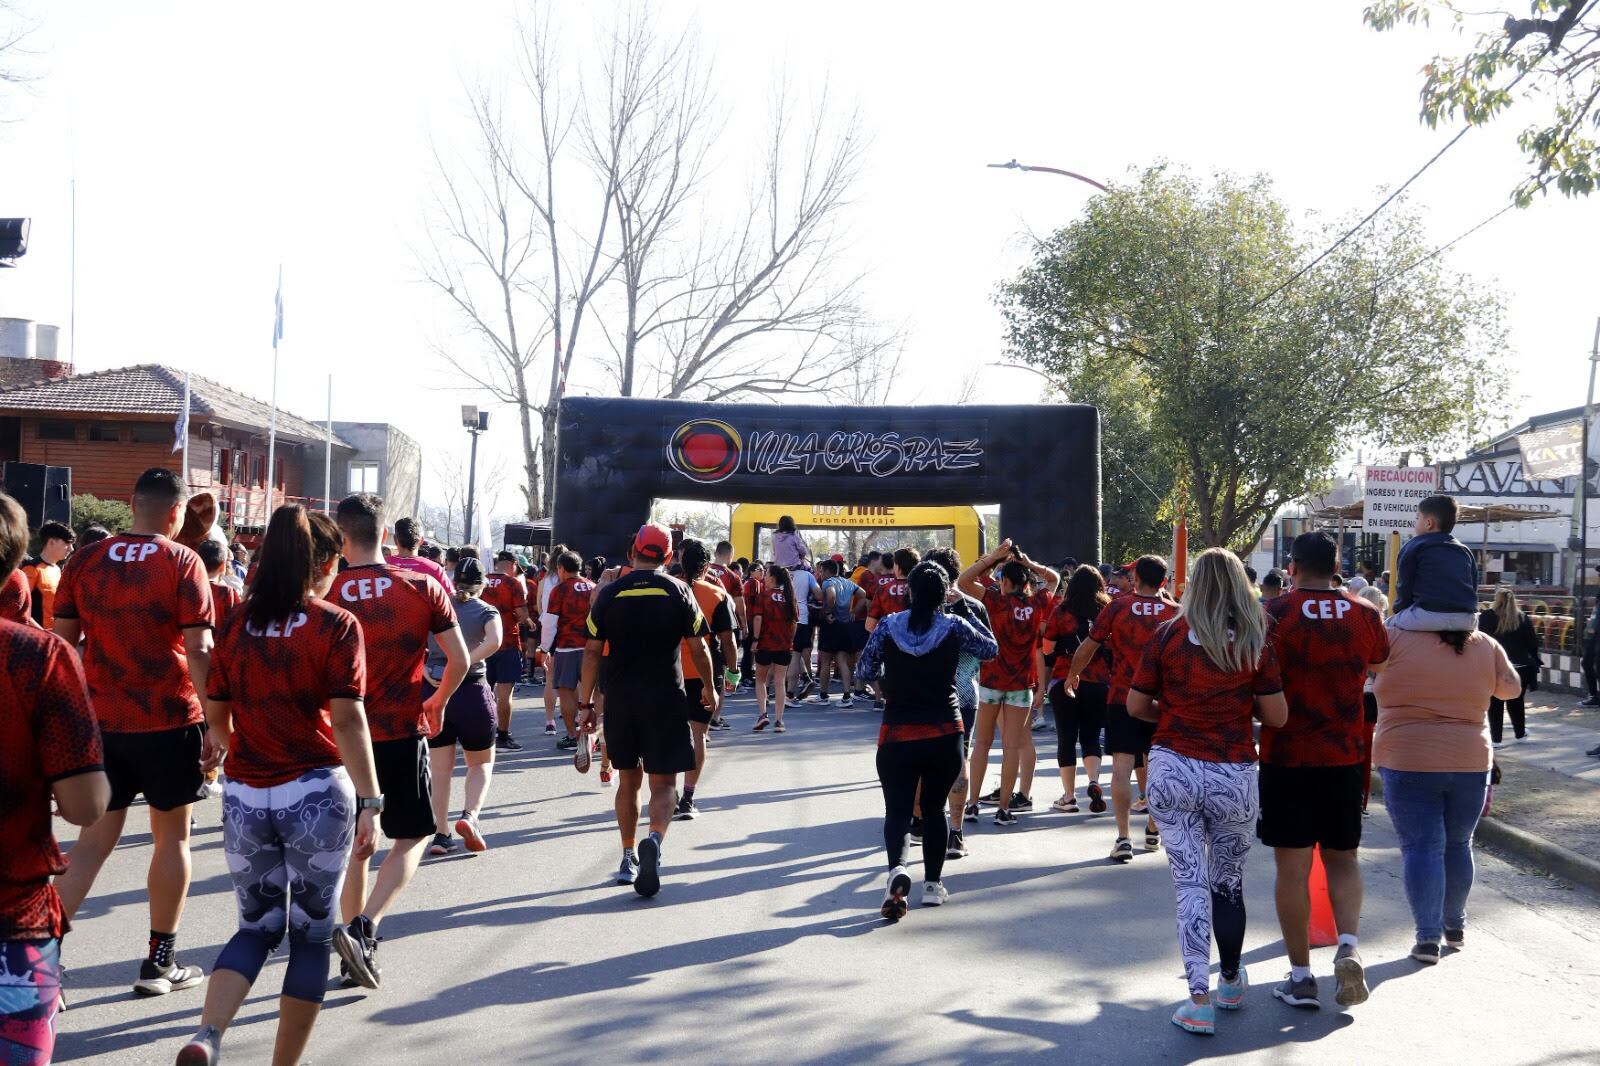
{"type": "Point", "coordinates": [1580, 495]}
{"type": "Point", "coordinates": [476, 422]}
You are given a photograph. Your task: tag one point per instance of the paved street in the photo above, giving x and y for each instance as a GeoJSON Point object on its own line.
{"type": "Point", "coordinates": [765, 945]}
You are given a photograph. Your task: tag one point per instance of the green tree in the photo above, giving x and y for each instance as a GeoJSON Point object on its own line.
{"type": "Point", "coordinates": [1168, 305]}
{"type": "Point", "coordinates": [90, 510]}
{"type": "Point", "coordinates": [1551, 60]}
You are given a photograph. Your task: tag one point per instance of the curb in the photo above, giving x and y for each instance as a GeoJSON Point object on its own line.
{"type": "Point", "coordinates": [1551, 858]}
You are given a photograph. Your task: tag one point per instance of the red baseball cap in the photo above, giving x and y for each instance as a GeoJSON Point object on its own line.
{"type": "Point", "coordinates": [838, 558]}
{"type": "Point", "coordinates": [653, 543]}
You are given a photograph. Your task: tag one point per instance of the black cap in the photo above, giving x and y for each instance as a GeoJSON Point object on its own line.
{"type": "Point", "coordinates": [1316, 550]}
{"type": "Point", "coordinates": [469, 572]}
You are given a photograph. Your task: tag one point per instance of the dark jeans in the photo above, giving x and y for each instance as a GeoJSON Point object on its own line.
{"type": "Point", "coordinates": [1591, 666]}
{"type": "Point", "coordinates": [1434, 815]}
{"type": "Point", "coordinates": [1519, 721]}
{"type": "Point", "coordinates": [902, 765]}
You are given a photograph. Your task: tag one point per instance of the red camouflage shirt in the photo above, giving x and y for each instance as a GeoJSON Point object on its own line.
{"type": "Point", "coordinates": [397, 610]}
{"type": "Point", "coordinates": [507, 594]}
{"type": "Point", "coordinates": [1205, 710]}
{"type": "Point", "coordinates": [1018, 625]}
{"type": "Point", "coordinates": [1126, 626]}
{"type": "Point", "coordinates": [1325, 640]}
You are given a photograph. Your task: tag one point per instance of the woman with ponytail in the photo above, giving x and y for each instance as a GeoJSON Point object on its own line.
{"type": "Point", "coordinates": [285, 712]}
{"type": "Point", "coordinates": [917, 651]}
{"type": "Point", "coordinates": [1201, 680]}
{"type": "Point", "coordinates": [772, 628]}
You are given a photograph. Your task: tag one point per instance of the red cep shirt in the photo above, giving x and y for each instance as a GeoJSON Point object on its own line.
{"type": "Point", "coordinates": [777, 627]}
{"type": "Point", "coordinates": [397, 611]}
{"type": "Point", "coordinates": [890, 597]}
{"type": "Point", "coordinates": [224, 598]}
{"type": "Point", "coordinates": [47, 732]}
{"type": "Point", "coordinates": [1126, 626]}
{"type": "Point", "coordinates": [724, 576]}
{"type": "Point", "coordinates": [1325, 640]}
{"type": "Point", "coordinates": [134, 595]}
{"type": "Point", "coordinates": [507, 594]}
{"type": "Point", "coordinates": [278, 681]}
{"type": "Point", "coordinates": [16, 598]}
{"type": "Point", "coordinates": [1064, 629]}
{"type": "Point", "coordinates": [1205, 710]}
{"type": "Point", "coordinates": [569, 602]}
{"type": "Point", "coordinates": [1018, 625]}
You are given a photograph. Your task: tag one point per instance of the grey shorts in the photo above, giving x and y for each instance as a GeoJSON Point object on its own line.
{"type": "Point", "coordinates": [567, 667]}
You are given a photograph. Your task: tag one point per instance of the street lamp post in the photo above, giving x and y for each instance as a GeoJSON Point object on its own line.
{"type": "Point", "coordinates": [476, 422]}
{"type": "Point", "coordinates": [1014, 165]}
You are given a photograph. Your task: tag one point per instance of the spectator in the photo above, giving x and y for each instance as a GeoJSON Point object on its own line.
{"type": "Point", "coordinates": [1506, 622]}
{"type": "Point", "coordinates": [789, 549]}
{"type": "Point", "coordinates": [43, 571]}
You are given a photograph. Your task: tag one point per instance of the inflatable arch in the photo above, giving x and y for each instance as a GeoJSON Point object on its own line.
{"type": "Point", "coordinates": [1041, 464]}
{"type": "Point", "coordinates": [749, 519]}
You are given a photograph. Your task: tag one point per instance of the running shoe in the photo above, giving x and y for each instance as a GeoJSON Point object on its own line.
{"type": "Point", "coordinates": [1425, 952]}
{"type": "Point", "coordinates": [970, 812]}
{"type": "Point", "coordinates": [894, 901]}
{"type": "Point", "coordinates": [467, 826]}
{"type": "Point", "coordinates": [568, 743]}
{"type": "Point", "coordinates": [504, 741]}
{"type": "Point", "coordinates": [780, 727]}
{"type": "Point", "coordinates": [846, 701]}
{"type": "Point", "coordinates": [1067, 804]}
{"type": "Point", "coordinates": [1021, 801]}
{"type": "Point", "coordinates": [934, 894]}
{"type": "Point", "coordinates": [722, 723]}
{"type": "Point", "coordinates": [1594, 752]}
{"type": "Point", "coordinates": [159, 980]}
{"type": "Point", "coordinates": [1152, 838]}
{"type": "Point", "coordinates": [1301, 993]}
{"type": "Point", "coordinates": [685, 811]}
{"type": "Point", "coordinates": [1122, 850]}
{"type": "Point", "coordinates": [761, 723]}
{"type": "Point", "coordinates": [1199, 1018]}
{"type": "Point", "coordinates": [1097, 799]}
{"type": "Point", "coordinates": [203, 1049]}
{"type": "Point", "coordinates": [1589, 701]}
{"type": "Point", "coordinates": [1141, 806]}
{"type": "Point", "coordinates": [1004, 817]}
{"type": "Point", "coordinates": [648, 883]}
{"type": "Point", "coordinates": [629, 869]}
{"type": "Point", "coordinates": [1039, 725]}
{"type": "Point", "coordinates": [549, 729]}
{"type": "Point", "coordinates": [583, 755]}
{"type": "Point", "coordinates": [359, 952]}
{"type": "Point", "coordinates": [1453, 938]}
{"type": "Point", "coordinates": [877, 703]}
{"type": "Point", "coordinates": [346, 978]}
{"type": "Point", "coordinates": [957, 848]}
{"type": "Point", "coordinates": [817, 700]}
{"type": "Point", "coordinates": [810, 686]}
{"type": "Point", "coordinates": [1351, 975]}
{"type": "Point", "coordinates": [916, 831]}
{"type": "Point", "coordinates": [1230, 994]}
{"type": "Point", "coordinates": [991, 798]}
{"type": "Point", "coordinates": [605, 778]}
{"type": "Point", "coordinates": [443, 844]}
{"type": "Point", "coordinates": [214, 788]}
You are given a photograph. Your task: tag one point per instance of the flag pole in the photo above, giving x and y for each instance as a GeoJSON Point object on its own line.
{"type": "Point", "coordinates": [327, 458]}
{"type": "Point", "coordinates": [272, 432]}
{"type": "Point", "coordinates": [183, 426]}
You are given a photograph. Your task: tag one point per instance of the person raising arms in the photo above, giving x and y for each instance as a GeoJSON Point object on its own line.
{"type": "Point", "coordinates": [1125, 626]}
{"type": "Point", "coordinates": [284, 702]}
{"type": "Point", "coordinates": [1202, 678]}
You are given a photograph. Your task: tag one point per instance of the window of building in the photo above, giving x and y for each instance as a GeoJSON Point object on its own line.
{"type": "Point", "coordinates": [103, 433]}
{"type": "Point", "coordinates": [57, 431]}
{"type": "Point", "coordinates": [364, 476]}
{"type": "Point", "coordinates": [150, 433]}
{"type": "Point", "coordinates": [261, 471]}
{"type": "Point", "coordinates": [241, 469]}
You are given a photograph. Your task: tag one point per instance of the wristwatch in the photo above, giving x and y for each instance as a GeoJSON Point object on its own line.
{"type": "Point", "coordinates": [369, 803]}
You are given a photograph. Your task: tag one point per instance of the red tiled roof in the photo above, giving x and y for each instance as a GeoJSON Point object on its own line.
{"type": "Point", "coordinates": [152, 389]}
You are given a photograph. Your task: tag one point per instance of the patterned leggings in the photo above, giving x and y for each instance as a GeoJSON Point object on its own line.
{"type": "Point", "coordinates": [30, 989]}
{"type": "Point", "coordinates": [288, 847]}
{"type": "Point", "coordinates": [1206, 811]}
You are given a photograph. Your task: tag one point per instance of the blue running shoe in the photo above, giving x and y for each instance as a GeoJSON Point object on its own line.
{"type": "Point", "coordinates": [1230, 994]}
{"type": "Point", "coordinates": [1195, 1017]}
{"type": "Point", "coordinates": [648, 883]}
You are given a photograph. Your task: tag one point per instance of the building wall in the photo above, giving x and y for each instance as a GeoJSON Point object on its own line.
{"type": "Point", "coordinates": [399, 462]}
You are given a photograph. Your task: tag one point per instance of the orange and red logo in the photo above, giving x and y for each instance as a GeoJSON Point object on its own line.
{"type": "Point", "coordinates": [705, 450]}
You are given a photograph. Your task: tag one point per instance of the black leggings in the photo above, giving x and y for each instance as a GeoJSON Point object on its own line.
{"type": "Point", "coordinates": [1519, 720]}
{"type": "Point", "coordinates": [1079, 717]}
{"type": "Point", "coordinates": [902, 765]}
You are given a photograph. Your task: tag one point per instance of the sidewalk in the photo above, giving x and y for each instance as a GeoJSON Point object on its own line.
{"type": "Point", "coordinates": [1546, 809]}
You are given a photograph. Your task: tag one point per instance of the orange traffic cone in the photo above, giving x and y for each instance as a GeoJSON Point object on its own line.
{"type": "Point", "coordinates": [1324, 933]}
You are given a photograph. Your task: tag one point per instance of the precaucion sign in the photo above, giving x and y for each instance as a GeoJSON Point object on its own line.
{"type": "Point", "coordinates": [1392, 495]}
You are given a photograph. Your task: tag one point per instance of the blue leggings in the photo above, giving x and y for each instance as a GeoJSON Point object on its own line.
{"type": "Point", "coordinates": [288, 847]}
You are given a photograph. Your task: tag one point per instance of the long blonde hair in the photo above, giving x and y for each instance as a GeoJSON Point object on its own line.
{"type": "Point", "coordinates": [1505, 609]}
{"type": "Point", "coordinates": [1223, 614]}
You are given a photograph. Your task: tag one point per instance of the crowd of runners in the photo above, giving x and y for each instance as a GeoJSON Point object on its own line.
{"type": "Point", "coordinates": [331, 676]}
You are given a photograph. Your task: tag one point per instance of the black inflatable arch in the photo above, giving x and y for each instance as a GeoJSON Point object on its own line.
{"type": "Point", "coordinates": [1041, 464]}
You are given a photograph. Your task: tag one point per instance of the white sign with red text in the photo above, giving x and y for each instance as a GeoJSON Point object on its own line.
{"type": "Point", "coordinates": [1392, 494]}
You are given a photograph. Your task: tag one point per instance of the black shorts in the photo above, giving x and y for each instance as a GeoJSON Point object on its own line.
{"type": "Point", "coordinates": [407, 787]}
{"type": "Point", "coordinates": [504, 667]}
{"type": "Point", "coordinates": [1306, 805]}
{"type": "Point", "coordinates": [805, 635]}
{"type": "Point", "coordinates": [835, 637]}
{"type": "Point", "coordinates": [469, 717]}
{"type": "Point", "coordinates": [693, 688]}
{"type": "Point", "coordinates": [1127, 735]}
{"type": "Point", "coordinates": [651, 730]}
{"type": "Point", "coordinates": [164, 766]}
{"type": "Point", "coordinates": [858, 634]}
{"type": "Point", "coordinates": [774, 658]}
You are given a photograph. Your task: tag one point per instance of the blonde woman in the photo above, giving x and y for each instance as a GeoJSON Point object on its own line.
{"type": "Point", "coordinates": [1506, 622]}
{"type": "Point", "coordinates": [1203, 677]}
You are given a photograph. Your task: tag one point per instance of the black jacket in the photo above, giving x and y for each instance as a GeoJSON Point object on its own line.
{"type": "Point", "coordinates": [1521, 644]}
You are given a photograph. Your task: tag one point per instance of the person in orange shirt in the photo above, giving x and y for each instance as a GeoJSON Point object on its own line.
{"type": "Point", "coordinates": [44, 570]}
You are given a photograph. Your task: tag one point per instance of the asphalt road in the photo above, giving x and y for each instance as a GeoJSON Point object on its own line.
{"type": "Point", "coordinates": [764, 945]}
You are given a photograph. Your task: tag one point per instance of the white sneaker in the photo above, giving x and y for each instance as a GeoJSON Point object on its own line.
{"type": "Point", "coordinates": [934, 894]}
{"type": "Point", "coordinates": [894, 899]}
{"type": "Point", "coordinates": [1067, 804]}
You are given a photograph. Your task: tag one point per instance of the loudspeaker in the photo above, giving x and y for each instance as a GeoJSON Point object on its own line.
{"type": "Point", "coordinates": [45, 492]}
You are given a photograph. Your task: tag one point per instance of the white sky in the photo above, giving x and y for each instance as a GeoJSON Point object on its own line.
{"type": "Point", "coordinates": [211, 142]}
